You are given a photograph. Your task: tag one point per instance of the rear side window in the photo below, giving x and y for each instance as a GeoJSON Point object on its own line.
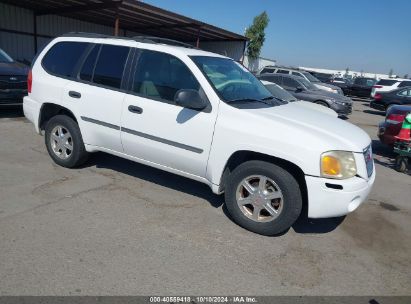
{"type": "Point", "coordinates": [296, 74]}
{"type": "Point", "coordinates": [87, 70]}
{"type": "Point", "coordinates": [110, 65]}
{"type": "Point", "coordinates": [275, 79]}
{"type": "Point", "coordinates": [160, 76]}
{"type": "Point", "coordinates": [405, 84]}
{"type": "Point", "coordinates": [282, 71]}
{"type": "Point", "coordinates": [265, 70]}
{"type": "Point", "coordinates": [62, 58]}
{"type": "Point", "coordinates": [386, 82]}
{"type": "Point", "coordinates": [290, 83]}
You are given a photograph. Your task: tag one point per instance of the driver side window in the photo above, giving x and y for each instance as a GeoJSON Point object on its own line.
{"type": "Point", "coordinates": [290, 84]}
{"type": "Point", "coordinates": [159, 76]}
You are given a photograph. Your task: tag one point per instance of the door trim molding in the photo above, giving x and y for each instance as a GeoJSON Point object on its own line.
{"type": "Point", "coordinates": [144, 135]}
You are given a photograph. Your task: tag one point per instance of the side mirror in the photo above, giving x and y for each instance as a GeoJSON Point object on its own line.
{"type": "Point", "coordinates": [299, 89]}
{"type": "Point", "coordinates": [190, 99]}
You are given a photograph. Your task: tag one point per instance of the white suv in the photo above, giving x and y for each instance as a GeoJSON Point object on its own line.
{"type": "Point", "coordinates": [202, 116]}
{"type": "Point", "coordinates": [387, 85]}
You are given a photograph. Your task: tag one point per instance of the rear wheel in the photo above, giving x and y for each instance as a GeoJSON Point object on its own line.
{"type": "Point", "coordinates": [263, 198]}
{"type": "Point", "coordinates": [401, 164]}
{"type": "Point", "coordinates": [64, 142]}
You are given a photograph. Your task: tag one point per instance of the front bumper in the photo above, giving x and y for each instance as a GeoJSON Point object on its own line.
{"type": "Point", "coordinates": [324, 200]}
{"type": "Point", "coordinates": [11, 97]}
{"type": "Point", "coordinates": [342, 109]}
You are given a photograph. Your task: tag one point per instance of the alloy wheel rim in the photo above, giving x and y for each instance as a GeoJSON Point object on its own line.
{"type": "Point", "coordinates": [61, 142]}
{"type": "Point", "coordinates": [259, 198]}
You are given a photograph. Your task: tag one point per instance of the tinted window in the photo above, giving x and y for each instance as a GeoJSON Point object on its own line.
{"type": "Point", "coordinates": [160, 75]}
{"type": "Point", "coordinates": [405, 93]}
{"type": "Point", "coordinates": [386, 82]}
{"type": "Point", "coordinates": [265, 70]}
{"type": "Point", "coordinates": [296, 74]}
{"type": "Point", "coordinates": [282, 71]}
{"type": "Point", "coordinates": [405, 84]}
{"type": "Point", "coordinates": [290, 83]}
{"type": "Point", "coordinates": [62, 58]}
{"type": "Point", "coordinates": [110, 65]}
{"type": "Point", "coordinates": [275, 79]}
{"type": "Point", "coordinates": [87, 69]}
{"type": "Point", "coordinates": [4, 57]}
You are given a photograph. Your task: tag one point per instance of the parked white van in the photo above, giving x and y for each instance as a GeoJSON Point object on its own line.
{"type": "Point", "coordinates": [202, 116]}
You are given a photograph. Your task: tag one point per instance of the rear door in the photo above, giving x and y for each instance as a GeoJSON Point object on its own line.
{"type": "Point", "coordinates": [97, 95]}
{"type": "Point", "coordinates": [154, 128]}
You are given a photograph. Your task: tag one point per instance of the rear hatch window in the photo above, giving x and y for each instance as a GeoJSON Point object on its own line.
{"type": "Point", "coordinates": [386, 82]}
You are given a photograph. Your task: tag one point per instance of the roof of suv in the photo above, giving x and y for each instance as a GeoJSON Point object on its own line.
{"type": "Point", "coordinates": [140, 42]}
{"type": "Point", "coordinates": [283, 75]}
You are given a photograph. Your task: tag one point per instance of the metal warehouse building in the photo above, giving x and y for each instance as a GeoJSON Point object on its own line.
{"type": "Point", "coordinates": [26, 26]}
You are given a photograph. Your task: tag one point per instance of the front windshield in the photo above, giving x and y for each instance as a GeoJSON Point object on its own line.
{"type": "Point", "coordinates": [307, 84]}
{"type": "Point", "coordinates": [231, 80]}
{"type": "Point", "coordinates": [280, 93]}
{"type": "Point", "coordinates": [4, 57]}
{"type": "Point", "coordinates": [310, 77]}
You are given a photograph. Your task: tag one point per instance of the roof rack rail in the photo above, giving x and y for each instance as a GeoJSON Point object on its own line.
{"type": "Point", "coordinates": [93, 35]}
{"type": "Point", "coordinates": [154, 39]}
{"type": "Point", "coordinates": [144, 39]}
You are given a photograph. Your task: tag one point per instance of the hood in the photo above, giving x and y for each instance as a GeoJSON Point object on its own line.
{"type": "Point", "coordinates": [317, 107]}
{"type": "Point", "coordinates": [327, 94]}
{"type": "Point", "coordinates": [327, 85]}
{"type": "Point", "coordinates": [325, 131]}
{"type": "Point", "coordinates": [13, 68]}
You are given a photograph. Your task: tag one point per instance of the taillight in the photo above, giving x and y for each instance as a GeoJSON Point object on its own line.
{"type": "Point", "coordinates": [395, 118]}
{"type": "Point", "coordinates": [377, 86]}
{"type": "Point", "coordinates": [29, 81]}
{"type": "Point", "coordinates": [377, 96]}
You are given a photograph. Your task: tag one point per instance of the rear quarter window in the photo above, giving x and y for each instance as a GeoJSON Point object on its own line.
{"type": "Point", "coordinates": [63, 57]}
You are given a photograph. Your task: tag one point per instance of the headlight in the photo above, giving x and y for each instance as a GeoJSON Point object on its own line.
{"type": "Point", "coordinates": [338, 164]}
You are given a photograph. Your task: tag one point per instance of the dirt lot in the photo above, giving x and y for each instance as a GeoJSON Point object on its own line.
{"type": "Point", "coordinates": [115, 227]}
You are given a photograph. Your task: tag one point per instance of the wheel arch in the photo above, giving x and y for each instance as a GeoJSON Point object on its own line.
{"type": "Point", "coordinates": [242, 156]}
{"type": "Point", "coordinates": [49, 110]}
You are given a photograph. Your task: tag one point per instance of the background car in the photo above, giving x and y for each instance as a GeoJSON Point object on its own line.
{"type": "Point", "coordinates": [386, 85]}
{"type": "Point", "coordinates": [281, 94]}
{"type": "Point", "coordinates": [391, 126]}
{"type": "Point", "coordinates": [342, 83]}
{"type": "Point", "coordinates": [324, 77]}
{"type": "Point", "coordinates": [13, 80]}
{"type": "Point", "coordinates": [302, 89]}
{"type": "Point", "coordinates": [307, 76]}
{"type": "Point", "coordinates": [361, 87]}
{"type": "Point", "coordinates": [383, 100]}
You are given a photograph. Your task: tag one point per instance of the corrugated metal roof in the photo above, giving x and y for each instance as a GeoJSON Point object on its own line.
{"type": "Point", "coordinates": [133, 15]}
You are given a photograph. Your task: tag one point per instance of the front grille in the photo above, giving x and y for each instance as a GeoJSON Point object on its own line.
{"type": "Point", "coordinates": [13, 82]}
{"type": "Point", "coordinates": [368, 160]}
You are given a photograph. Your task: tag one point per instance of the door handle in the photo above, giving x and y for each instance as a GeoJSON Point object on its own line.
{"type": "Point", "coordinates": [74, 94]}
{"type": "Point", "coordinates": [134, 109]}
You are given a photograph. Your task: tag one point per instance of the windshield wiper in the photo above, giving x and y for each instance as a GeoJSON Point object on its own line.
{"type": "Point", "coordinates": [250, 100]}
{"type": "Point", "coordinates": [273, 97]}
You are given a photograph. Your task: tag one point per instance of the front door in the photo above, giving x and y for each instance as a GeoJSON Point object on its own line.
{"type": "Point", "coordinates": [157, 130]}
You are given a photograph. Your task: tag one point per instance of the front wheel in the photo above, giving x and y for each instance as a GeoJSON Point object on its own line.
{"type": "Point", "coordinates": [64, 142]}
{"type": "Point", "coordinates": [263, 197]}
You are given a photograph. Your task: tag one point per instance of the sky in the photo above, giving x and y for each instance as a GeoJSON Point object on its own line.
{"type": "Point", "coordinates": [369, 35]}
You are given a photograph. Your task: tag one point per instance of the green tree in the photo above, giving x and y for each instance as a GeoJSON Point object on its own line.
{"type": "Point", "coordinates": [256, 35]}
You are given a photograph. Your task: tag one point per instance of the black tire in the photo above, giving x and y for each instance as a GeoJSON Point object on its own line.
{"type": "Point", "coordinates": [322, 103]}
{"type": "Point", "coordinates": [401, 164]}
{"type": "Point", "coordinates": [292, 199]}
{"type": "Point", "coordinates": [79, 154]}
